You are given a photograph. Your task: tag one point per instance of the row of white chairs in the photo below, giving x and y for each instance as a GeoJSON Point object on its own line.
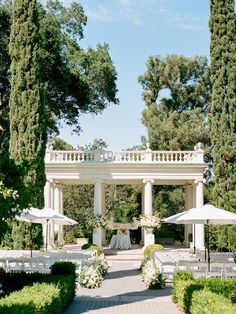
{"type": "Point", "coordinates": [198, 269]}
{"type": "Point", "coordinates": [42, 265]}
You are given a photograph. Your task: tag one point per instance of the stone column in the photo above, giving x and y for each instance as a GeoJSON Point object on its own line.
{"type": "Point", "coordinates": [199, 202]}
{"type": "Point", "coordinates": [48, 200]}
{"type": "Point", "coordinates": [103, 205]}
{"type": "Point", "coordinates": [97, 233]}
{"type": "Point", "coordinates": [58, 207]}
{"type": "Point", "coordinates": [188, 204]}
{"type": "Point", "coordinates": [148, 234]}
{"type": "Point", "coordinates": [142, 213]}
{"type": "Point", "coordinates": [47, 194]}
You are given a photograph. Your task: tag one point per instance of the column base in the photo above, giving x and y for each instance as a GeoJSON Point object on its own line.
{"type": "Point", "coordinates": [97, 236]}
{"type": "Point", "coordinates": [148, 237]}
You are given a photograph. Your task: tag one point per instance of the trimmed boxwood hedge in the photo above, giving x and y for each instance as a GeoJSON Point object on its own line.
{"type": "Point", "coordinates": [52, 295]}
{"type": "Point", "coordinates": [149, 249]}
{"type": "Point", "coordinates": [206, 302]}
{"type": "Point", "coordinates": [94, 247]}
{"type": "Point", "coordinates": [184, 285]}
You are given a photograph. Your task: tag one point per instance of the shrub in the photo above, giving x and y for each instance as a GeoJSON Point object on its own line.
{"type": "Point", "coordinates": [94, 247]}
{"type": "Point", "coordinates": [184, 286]}
{"type": "Point", "coordinates": [14, 281]}
{"type": "Point", "coordinates": [148, 251]}
{"type": "Point", "coordinates": [51, 296]}
{"type": "Point", "coordinates": [205, 302]}
{"type": "Point", "coordinates": [179, 275]}
{"type": "Point", "coordinates": [226, 287]}
{"type": "Point", "coordinates": [63, 268]}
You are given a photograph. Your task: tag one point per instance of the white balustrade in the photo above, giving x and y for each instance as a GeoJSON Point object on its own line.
{"type": "Point", "coordinates": [56, 156]}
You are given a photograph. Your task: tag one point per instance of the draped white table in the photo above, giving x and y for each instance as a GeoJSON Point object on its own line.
{"type": "Point", "coordinates": [121, 242]}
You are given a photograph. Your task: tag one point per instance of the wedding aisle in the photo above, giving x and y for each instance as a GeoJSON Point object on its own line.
{"type": "Point", "coordinates": [122, 291]}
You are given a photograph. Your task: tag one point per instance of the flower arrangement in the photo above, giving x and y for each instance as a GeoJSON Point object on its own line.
{"type": "Point", "coordinates": [101, 264]}
{"type": "Point", "coordinates": [90, 277]}
{"type": "Point", "coordinates": [92, 274]}
{"type": "Point", "coordinates": [153, 221]}
{"type": "Point", "coordinates": [151, 275]}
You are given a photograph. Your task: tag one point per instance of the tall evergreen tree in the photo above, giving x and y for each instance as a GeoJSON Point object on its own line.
{"type": "Point", "coordinates": [27, 122]}
{"type": "Point", "coordinates": [223, 102]}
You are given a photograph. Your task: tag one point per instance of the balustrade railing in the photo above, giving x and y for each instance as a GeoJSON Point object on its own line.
{"type": "Point", "coordinates": [148, 156]}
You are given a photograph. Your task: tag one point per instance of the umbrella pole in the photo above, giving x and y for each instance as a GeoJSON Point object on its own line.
{"type": "Point", "coordinates": [47, 236]}
{"type": "Point", "coordinates": [31, 240]}
{"type": "Point", "coordinates": [194, 240]}
{"type": "Point", "coordinates": [208, 248]}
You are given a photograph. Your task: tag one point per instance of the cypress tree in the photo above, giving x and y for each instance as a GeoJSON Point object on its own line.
{"type": "Point", "coordinates": [27, 122]}
{"type": "Point", "coordinates": [223, 103]}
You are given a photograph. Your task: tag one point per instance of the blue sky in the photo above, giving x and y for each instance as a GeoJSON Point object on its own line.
{"type": "Point", "coordinates": [134, 30]}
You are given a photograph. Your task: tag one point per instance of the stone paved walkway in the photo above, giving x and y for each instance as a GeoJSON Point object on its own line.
{"type": "Point", "coordinates": [123, 292]}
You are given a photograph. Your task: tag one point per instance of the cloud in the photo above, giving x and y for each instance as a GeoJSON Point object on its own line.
{"type": "Point", "coordinates": [183, 21]}
{"type": "Point", "coordinates": [101, 13]}
{"type": "Point", "coordinates": [137, 12]}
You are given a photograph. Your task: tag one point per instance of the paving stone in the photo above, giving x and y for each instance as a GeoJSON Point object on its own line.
{"type": "Point", "coordinates": [123, 292]}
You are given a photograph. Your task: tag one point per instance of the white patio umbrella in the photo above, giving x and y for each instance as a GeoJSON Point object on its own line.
{"type": "Point", "coordinates": [207, 214]}
{"type": "Point", "coordinates": [44, 216]}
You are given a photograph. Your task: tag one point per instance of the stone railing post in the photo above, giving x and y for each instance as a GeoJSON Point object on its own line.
{"type": "Point", "coordinates": [148, 153]}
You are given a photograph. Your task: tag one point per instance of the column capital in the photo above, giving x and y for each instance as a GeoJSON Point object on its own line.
{"type": "Point", "coordinates": [148, 180]}
{"type": "Point", "coordinates": [94, 181]}
{"type": "Point", "coordinates": [59, 185]}
{"type": "Point", "coordinates": [196, 181]}
{"type": "Point", "coordinates": [50, 180]}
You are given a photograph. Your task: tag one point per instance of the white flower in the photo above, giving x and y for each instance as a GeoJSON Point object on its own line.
{"type": "Point", "coordinates": [153, 221]}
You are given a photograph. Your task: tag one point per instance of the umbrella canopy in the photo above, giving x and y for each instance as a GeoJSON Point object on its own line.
{"type": "Point", "coordinates": [207, 214]}
{"type": "Point", "coordinates": [44, 216]}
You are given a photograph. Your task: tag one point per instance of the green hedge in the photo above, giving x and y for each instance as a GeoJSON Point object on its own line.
{"type": "Point", "coordinates": [63, 268]}
{"type": "Point", "coordinates": [179, 275]}
{"type": "Point", "coordinates": [184, 286]}
{"type": "Point", "coordinates": [207, 302]}
{"type": "Point", "coordinates": [53, 295]}
{"type": "Point", "coordinates": [94, 247]}
{"type": "Point", "coordinates": [148, 251]}
{"type": "Point", "coordinates": [15, 281]}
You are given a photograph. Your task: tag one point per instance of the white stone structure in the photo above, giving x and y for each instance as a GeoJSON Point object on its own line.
{"type": "Point", "coordinates": [146, 168]}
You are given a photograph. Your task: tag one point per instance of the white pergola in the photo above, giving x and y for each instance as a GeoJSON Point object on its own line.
{"type": "Point", "coordinates": [145, 168]}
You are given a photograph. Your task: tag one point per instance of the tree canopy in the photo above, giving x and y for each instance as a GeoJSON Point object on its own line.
{"type": "Point", "coordinates": [176, 94]}
{"type": "Point", "coordinates": [75, 80]}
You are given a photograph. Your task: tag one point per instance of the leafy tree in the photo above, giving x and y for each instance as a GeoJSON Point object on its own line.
{"type": "Point", "coordinates": [60, 144]}
{"type": "Point", "coordinates": [176, 94]}
{"type": "Point", "coordinates": [27, 123]}
{"type": "Point", "coordinates": [98, 144]}
{"type": "Point", "coordinates": [222, 109]}
{"type": "Point", "coordinates": [75, 81]}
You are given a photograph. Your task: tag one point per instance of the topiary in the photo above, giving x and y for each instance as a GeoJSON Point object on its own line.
{"type": "Point", "coordinates": [63, 268]}
{"type": "Point", "coordinates": [148, 251]}
{"type": "Point", "coordinates": [94, 247]}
